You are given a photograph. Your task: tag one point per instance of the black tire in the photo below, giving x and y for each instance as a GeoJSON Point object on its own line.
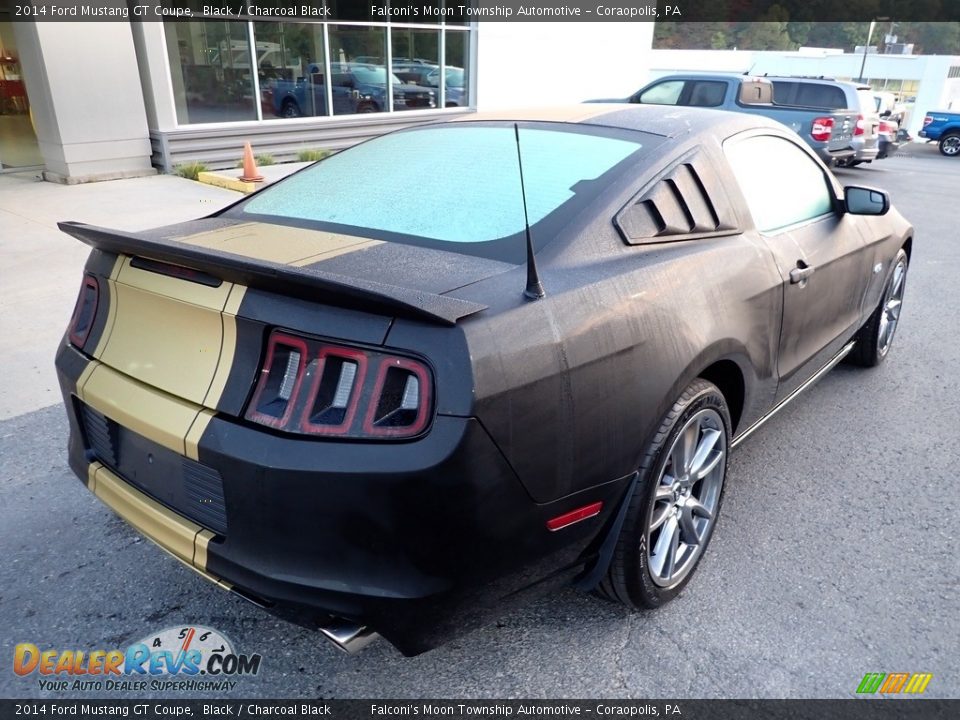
{"type": "Point", "coordinates": [630, 578]}
{"type": "Point", "coordinates": [368, 107]}
{"type": "Point", "coordinates": [872, 346]}
{"type": "Point", "coordinates": [290, 109]}
{"type": "Point", "coordinates": [950, 144]}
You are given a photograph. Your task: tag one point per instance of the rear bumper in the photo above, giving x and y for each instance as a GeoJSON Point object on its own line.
{"type": "Point", "coordinates": [832, 157]}
{"type": "Point", "coordinates": [419, 540]}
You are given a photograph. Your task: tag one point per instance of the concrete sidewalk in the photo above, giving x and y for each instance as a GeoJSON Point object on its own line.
{"type": "Point", "coordinates": [41, 267]}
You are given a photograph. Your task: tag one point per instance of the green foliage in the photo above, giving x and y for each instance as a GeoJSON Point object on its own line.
{"type": "Point", "coordinates": [312, 155]}
{"type": "Point", "coordinates": [265, 160]}
{"type": "Point", "coordinates": [778, 32]}
{"type": "Point", "coordinates": [190, 170]}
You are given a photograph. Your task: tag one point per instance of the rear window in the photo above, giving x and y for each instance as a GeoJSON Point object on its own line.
{"type": "Point", "coordinates": [809, 94]}
{"type": "Point", "coordinates": [455, 186]}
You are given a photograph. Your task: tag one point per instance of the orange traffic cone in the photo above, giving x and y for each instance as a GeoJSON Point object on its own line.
{"type": "Point", "coordinates": [250, 172]}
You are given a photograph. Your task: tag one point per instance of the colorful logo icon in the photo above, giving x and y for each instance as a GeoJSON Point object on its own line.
{"type": "Point", "coordinates": [177, 652]}
{"type": "Point", "coordinates": [893, 683]}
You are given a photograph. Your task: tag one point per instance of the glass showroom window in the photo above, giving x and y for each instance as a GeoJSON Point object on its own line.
{"type": "Point", "coordinates": [457, 57]}
{"type": "Point", "coordinates": [416, 54]}
{"type": "Point", "coordinates": [290, 68]}
{"type": "Point", "coordinates": [211, 71]}
{"type": "Point", "coordinates": [357, 57]}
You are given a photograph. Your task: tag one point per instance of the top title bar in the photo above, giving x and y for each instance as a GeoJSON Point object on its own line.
{"type": "Point", "coordinates": [463, 11]}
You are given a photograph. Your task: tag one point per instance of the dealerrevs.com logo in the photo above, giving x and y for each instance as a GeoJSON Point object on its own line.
{"type": "Point", "coordinates": [176, 659]}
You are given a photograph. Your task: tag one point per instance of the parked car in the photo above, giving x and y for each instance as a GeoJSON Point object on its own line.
{"type": "Point", "coordinates": [413, 72]}
{"type": "Point", "coordinates": [371, 411]}
{"type": "Point", "coordinates": [889, 139]}
{"type": "Point", "coordinates": [828, 133]}
{"type": "Point", "coordinates": [943, 127]}
{"type": "Point", "coordinates": [456, 93]}
{"type": "Point", "coordinates": [888, 107]}
{"type": "Point", "coordinates": [356, 88]}
{"type": "Point", "coordinates": [307, 96]}
{"type": "Point", "coordinates": [836, 95]}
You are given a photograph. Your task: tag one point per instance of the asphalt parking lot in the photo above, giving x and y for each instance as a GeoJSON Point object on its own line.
{"type": "Point", "coordinates": [835, 554]}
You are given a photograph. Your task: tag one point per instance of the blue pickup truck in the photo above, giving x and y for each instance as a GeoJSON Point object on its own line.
{"type": "Point", "coordinates": [828, 132]}
{"type": "Point", "coordinates": [944, 128]}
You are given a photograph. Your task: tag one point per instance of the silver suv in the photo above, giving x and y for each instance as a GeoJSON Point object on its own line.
{"type": "Point", "coordinates": [836, 95]}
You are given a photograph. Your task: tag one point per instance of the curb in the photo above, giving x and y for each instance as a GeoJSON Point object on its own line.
{"type": "Point", "coordinates": [228, 182]}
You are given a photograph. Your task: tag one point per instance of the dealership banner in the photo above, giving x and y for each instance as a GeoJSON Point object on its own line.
{"type": "Point", "coordinates": [461, 11]}
{"type": "Point", "coordinates": [431, 709]}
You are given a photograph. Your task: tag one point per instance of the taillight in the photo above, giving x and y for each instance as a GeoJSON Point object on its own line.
{"type": "Point", "coordinates": [313, 387]}
{"type": "Point", "coordinates": [822, 129]}
{"type": "Point", "coordinates": [84, 312]}
{"type": "Point", "coordinates": [859, 130]}
{"type": "Point", "coordinates": [927, 120]}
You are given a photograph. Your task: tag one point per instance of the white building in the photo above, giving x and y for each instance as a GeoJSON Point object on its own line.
{"type": "Point", "coordinates": [98, 100]}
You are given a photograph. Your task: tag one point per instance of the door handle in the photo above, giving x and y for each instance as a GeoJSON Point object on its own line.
{"type": "Point", "coordinates": [800, 273]}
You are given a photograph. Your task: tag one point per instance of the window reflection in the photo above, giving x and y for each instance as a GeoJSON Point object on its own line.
{"type": "Point", "coordinates": [312, 69]}
{"type": "Point", "coordinates": [211, 71]}
{"type": "Point", "coordinates": [290, 69]}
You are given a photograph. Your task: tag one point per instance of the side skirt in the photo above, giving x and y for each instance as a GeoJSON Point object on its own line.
{"type": "Point", "coordinates": [813, 379]}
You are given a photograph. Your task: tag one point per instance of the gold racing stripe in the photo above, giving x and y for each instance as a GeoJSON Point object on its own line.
{"type": "Point", "coordinates": [278, 243]}
{"type": "Point", "coordinates": [157, 416]}
{"type": "Point", "coordinates": [194, 293]}
{"type": "Point", "coordinates": [165, 342]}
{"type": "Point", "coordinates": [181, 538]}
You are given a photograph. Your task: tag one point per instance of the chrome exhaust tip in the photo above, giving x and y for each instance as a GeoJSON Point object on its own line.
{"type": "Point", "coordinates": [348, 636]}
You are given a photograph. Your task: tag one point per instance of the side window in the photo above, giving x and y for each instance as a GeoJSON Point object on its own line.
{"type": "Point", "coordinates": [780, 182]}
{"type": "Point", "coordinates": [705, 93]}
{"type": "Point", "coordinates": [665, 93]}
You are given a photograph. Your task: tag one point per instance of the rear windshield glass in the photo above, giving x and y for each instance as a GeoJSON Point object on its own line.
{"type": "Point", "coordinates": [809, 95]}
{"type": "Point", "coordinates": [454, 186]}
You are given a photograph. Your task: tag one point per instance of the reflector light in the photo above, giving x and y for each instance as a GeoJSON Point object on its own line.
{"type": "Point", "coordinates": [289, 375]}
{"type": "Point", "coordinates": [574, 516]}
{"type": "Point", "coordinates": [861, 123]}
{"type": "Point", "coordinates": [84, 312]}
{"type": "Point", "coordinates": [822, 128]}
{"type": "Point", "coordinates": [348, 371]}
{"type": "Point", "coordinates": [927, 120]}
{"type": "Point", "coordinates": [411, 394]}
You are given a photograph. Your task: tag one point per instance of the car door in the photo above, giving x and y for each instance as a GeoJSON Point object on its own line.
{"type": "Point", "coordinates": [823, 259]}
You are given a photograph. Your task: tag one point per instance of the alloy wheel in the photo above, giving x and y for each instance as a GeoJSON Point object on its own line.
{"type": "Point", "coordinates": [951, 145]}
{"type": "Point", "coordinates": [890, 314]}
{"type": "Point", "coordinates": [687, 498]}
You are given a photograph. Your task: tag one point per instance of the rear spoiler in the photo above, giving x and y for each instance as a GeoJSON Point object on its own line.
{"type": "Point", "coordinates": [301, 282]}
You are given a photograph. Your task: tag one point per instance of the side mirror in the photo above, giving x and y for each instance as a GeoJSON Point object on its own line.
{"type": "Point", "coordinates": [865, 201]}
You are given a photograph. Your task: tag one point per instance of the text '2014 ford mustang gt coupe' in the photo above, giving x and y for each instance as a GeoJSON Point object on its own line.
{"type": "Point", "coordinates": [465, 362]}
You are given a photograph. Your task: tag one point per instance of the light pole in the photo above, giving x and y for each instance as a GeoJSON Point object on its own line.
{"type": "Point", "coordinates": [866, 47]}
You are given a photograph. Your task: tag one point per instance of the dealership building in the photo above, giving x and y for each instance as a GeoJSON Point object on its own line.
{"type": "Point", "coordinates": [98, 100]}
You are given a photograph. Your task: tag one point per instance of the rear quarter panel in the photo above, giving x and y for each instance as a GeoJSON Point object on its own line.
{"type": "Point", "coordinates": [572, 387]}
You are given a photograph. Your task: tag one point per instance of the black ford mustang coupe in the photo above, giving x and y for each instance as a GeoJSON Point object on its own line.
{"type": "Point", "coordinates": [470, 359]}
